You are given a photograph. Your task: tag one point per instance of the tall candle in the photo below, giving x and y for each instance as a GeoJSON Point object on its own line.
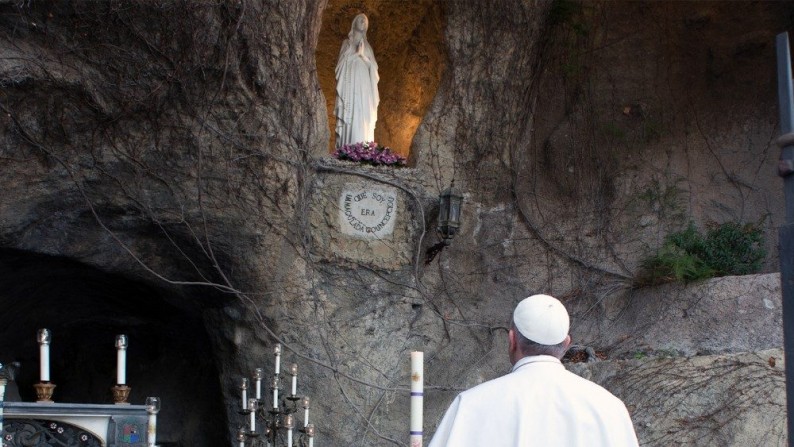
{"type": "Point", "coordinates": [274, 387]}
{"type": "Point", "coordinates": [289, 424]}
{"type": "Point", "coordinates": [241, 437]}
{"type": "Point", "coordinates": [417, 397]}
{"type": "Point", "coordinates": [151, 434]}
{"type": "Point", "coordinates": [310, 432]}
{"type": "Point", "coordinates": [121, 359]}
{"type": "Point", "coordinates": [252, 405]}
{"type": "Point", "coordinates": [305, 403]}
{"type": "Point", "coordinates": [152, 407]}
{"type": "Point", "coordinates": [244, 392]}
{"type": "Point", "coordinates": [44, 354]}
{"type": "Point", "coordinates": [3, 383]}
{"type": "Point", "coordinates": [277, 351]}
{"type": "Point", "coordinates": [259, 373]}
{"type": "Point", "coordinates": [293, 370]}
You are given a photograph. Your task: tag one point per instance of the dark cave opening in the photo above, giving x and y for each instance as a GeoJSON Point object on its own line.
{"type": "Point", "coordinates": [169, 353]}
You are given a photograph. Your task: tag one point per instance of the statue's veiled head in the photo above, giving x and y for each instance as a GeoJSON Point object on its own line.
{"type": "Point", "coordinates": [360, 23]}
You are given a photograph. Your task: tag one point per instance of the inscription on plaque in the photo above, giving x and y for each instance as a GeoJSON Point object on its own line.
{"type": "Point", "coordinates": [368, 213]}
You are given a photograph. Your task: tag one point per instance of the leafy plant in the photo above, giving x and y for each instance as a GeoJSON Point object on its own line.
{"type": "Point", "coordinates": [735, 249]}
{"type": "Point", "coordinates": [727, 249]}
{"type": "Point", "coordinates": [369, 153]}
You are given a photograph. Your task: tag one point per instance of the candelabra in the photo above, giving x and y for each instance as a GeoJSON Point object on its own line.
{"type": "Point", "coordinates": [274, 423]}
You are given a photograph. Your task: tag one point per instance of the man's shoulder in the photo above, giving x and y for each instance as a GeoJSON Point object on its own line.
{"type": "Point", "coordinates": [539, 376]}
{"type": "Point", "coordinates": [487, 386]}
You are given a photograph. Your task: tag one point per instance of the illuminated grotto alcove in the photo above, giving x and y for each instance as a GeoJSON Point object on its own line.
{"type": "Point", "coordinates": [407, 38]}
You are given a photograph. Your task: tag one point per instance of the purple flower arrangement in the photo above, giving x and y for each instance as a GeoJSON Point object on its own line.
{"type": "Point", "coordinates": [369, 153]}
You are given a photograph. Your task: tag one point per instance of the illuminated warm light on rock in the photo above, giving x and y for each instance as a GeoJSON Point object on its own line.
{"type": "Point", "coordinates": [408, 40]}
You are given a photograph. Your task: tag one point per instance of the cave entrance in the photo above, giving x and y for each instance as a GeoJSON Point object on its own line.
{"type": "Point", "coordinates": [169, 352]}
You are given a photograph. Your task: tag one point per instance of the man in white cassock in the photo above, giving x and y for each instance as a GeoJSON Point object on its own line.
{"type": "Point", "coordinates": [539, 403]}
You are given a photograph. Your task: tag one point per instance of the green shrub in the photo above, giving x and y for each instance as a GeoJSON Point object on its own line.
{"type": "Point", "coordinates": [735, 249]}
{"type": "Point", "coordinates": [727, 249]}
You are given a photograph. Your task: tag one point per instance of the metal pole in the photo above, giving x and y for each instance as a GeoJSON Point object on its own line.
{"type": "Point", "coordinates": [786, 232]}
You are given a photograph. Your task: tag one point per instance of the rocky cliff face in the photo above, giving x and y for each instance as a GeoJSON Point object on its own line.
{"type": "Point", "coordinates": [183, 147]}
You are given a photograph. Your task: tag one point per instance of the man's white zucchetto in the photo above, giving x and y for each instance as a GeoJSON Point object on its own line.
{"type": "Point", "coordinates": [542, 319]}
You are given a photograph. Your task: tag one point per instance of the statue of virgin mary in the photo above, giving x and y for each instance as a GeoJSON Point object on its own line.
{"type": "Point", "coordinates": [356, 87]}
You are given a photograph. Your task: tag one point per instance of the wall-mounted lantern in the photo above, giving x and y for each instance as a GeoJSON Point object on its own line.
{"type": "Point", "coordinates": [449, 213]}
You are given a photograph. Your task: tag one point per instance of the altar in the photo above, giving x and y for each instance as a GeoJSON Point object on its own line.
{"type": "Point", "coordinates": [73, 425]}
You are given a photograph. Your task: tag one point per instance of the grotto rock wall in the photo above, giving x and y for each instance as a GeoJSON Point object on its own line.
{"type": "Point", "coordinates": [185, 145]}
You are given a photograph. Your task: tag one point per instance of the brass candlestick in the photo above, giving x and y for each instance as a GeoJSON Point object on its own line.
{"type": "Point", "coordinates": [44, 392]}
{"type": "Point", "coordinates": [120, 394]}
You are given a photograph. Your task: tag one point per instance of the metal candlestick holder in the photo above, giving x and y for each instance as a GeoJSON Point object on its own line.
{"type": "Point", "coordinates": [120, 394]}
{"type": "Point", "coordinates": [276, 425]}
{"type": "Point", "coordinates": [44, 392]}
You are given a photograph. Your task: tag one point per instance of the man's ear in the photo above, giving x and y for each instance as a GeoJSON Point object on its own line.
{"type": "Point", "coordinates": [512, 346]}
{"type": "Point", "coordinates": [567, 342]}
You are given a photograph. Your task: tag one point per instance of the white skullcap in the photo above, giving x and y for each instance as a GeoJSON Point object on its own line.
{"type": "Point", "coordinates": [542, 319]}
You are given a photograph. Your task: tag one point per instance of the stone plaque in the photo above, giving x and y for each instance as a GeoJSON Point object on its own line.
{"type": "Point", "coordinates": [368, 212]}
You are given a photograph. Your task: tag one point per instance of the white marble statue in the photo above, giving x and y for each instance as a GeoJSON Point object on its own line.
{"type": "Point", "coordinates": [356, 87]}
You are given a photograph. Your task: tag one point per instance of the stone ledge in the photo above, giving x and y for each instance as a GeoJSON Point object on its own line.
{"type": "Point", "coordinates": [722, 315]}
{"type": "Point", "coordinates": [714, 400]}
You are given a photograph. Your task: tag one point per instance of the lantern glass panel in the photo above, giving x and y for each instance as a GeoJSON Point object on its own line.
{"type": "Point", "coordinates": [443, 209]}
{"type": "Point", "coordinates": [454, 211]}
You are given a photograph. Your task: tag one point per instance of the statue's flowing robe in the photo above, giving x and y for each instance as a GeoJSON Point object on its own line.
{"type": "Point", "coordinates": [539, 403]}
{"type": "Point", "coordinates": [356, 95]}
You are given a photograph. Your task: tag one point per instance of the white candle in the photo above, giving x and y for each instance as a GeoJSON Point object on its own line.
{"type": "Point", "coordinates": [289, 424]}
{"type": "Point", "coordinates": [121, 359]}
{"type": "Point", "coordinates": [417, 396]}
{"type": "Point", "coordinates": [252, 408]}
{"type": "Point", "coordinates": [277, 351]}
{"type": "Point", "coordinates": [152, 407]}
{"type": "Point", "coordinates": [305, 403]}
{"type": "Point", "coordinates": [310, 432]}
{"type": "Point", "coordinates": [45, 362]}
{"type": "Point", "coordinates": [152, 432]}
{"type": "Point", "coordinates": [244, 392]}
{"type": "Point", "coordinates": [3, 383]}
{"type": "Point", "coordinates": [259, 373]}
{"type": "Point", "coordinates": [274, 387]}
{"type": "Point", "coordinates": [44, 355]}
{"type": "Point", "coordinates": [293, 370]}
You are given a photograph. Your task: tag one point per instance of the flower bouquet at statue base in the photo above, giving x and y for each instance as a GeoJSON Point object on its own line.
{"type": "Point", "coordinates": [369, 153]}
